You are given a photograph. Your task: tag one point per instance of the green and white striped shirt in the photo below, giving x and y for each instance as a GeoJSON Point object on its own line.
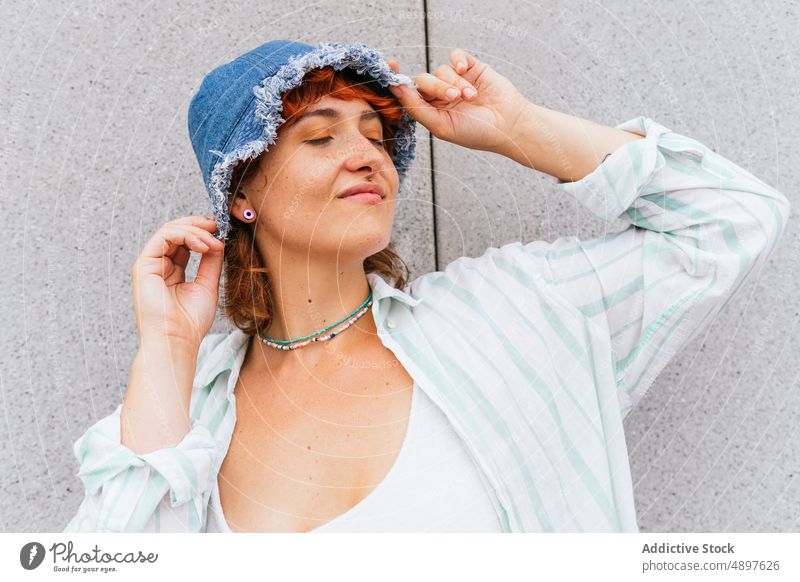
{"type": "Point", "coordinates": [535, 352]}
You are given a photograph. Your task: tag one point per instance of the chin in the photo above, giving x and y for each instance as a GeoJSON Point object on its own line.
{"type": "Point", "coordinates": [366, 243]}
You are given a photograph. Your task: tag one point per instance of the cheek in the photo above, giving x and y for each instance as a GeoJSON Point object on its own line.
{"type": "Point", "coordinates": [298, 196]}
{"type": "Point", "coordinates": [308, 174]}
{"type": "Point", "coordinates": [391, 175]}
{"type": "Point", "coordinates": [300, 177]}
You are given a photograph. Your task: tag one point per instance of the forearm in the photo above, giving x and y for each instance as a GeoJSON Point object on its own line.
{"type": "Point", "coordinates": [155, 413]}
{"type": "Point", "coordinates": [562, 145]}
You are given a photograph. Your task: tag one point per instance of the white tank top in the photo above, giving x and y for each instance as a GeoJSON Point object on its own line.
{"type": "Point", "coordinates": [433, 486]}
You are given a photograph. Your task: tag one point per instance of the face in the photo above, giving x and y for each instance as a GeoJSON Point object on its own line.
{"type": "Point", "coordinates": [334, 145]}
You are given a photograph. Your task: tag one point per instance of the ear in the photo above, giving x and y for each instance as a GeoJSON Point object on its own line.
{"type": "Point", "coordinates": [238, 205]}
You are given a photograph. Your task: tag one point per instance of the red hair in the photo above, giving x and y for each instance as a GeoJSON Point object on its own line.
{"type": "Point", "coordinates": [345, 84]}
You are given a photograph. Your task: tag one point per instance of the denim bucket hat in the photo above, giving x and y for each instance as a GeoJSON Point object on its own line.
{"type": "Point", "coordinates": [236, 112]}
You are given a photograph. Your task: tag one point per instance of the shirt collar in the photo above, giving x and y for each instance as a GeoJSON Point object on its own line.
{"type": "Point", "coordinates": [381, 290]}
{"type": "Point", "coordinates": [227, 355]}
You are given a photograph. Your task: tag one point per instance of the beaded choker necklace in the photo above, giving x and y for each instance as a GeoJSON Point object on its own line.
{"type": "Point", "coordinates": [299, 342]}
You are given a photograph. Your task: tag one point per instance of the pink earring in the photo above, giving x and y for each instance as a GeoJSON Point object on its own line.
{"type": "Point", "coordinates": [248, 214]}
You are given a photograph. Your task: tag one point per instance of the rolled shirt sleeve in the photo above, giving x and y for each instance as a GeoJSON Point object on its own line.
{"type": "Point", "coordinates": [698, 226]}
{"type": "Point", "coordinates": [163, 490]}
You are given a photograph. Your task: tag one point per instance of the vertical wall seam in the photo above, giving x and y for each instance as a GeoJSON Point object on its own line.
{"type": "Point", "coordinates": [430, 143]}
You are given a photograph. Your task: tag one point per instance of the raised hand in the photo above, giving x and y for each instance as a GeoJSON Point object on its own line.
{"type": "Point", "coordinates": [164, 302]}
{"type": "Point", "coordinates": [465, 102]}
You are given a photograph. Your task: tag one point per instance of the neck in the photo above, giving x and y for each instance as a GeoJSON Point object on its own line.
{"type": "Point", "coordinates": [312, 293]}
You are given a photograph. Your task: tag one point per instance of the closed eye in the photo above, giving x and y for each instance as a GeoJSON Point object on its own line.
{"type": "Point", "coordinates": [318, 141]}
{"type": "Point", "coordinates": [321, 140]}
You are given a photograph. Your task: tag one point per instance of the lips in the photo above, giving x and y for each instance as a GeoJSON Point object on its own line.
{"type": "Point", "coordinates": [364, 188]}
{"type": "Point", "coordinates": [366, 197]}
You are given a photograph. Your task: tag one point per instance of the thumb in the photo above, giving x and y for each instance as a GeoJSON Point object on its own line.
{"type": "Point", "coordinates": [210, 270]}
{"type": "Point", "coordinates": [419, 109]}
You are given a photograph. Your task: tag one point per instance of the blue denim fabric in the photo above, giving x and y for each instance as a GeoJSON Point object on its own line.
{"type": "Point", "coordinates": [236, 112]}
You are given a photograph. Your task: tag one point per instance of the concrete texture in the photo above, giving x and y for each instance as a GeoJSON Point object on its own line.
{"type": "Point", "coordinates": [96, 157]}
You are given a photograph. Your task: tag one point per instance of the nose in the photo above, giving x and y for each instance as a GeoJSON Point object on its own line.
{"type": "Point", "coordinates": [362, 155]}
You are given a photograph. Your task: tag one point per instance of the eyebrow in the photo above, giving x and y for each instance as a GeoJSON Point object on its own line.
{"type": "Point", "coordinates": [329, 113]}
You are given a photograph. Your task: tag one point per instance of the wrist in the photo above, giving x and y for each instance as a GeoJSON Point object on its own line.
{"type": "Point", "coordinates": [562, 145]}
{"type": "Point", "coordinates": [159, 343]}
{"type": "Point", "coordinates": [524, 135]}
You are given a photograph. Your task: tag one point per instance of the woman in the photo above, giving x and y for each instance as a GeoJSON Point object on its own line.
{"type": "Point", "coordinates": [502, 380]}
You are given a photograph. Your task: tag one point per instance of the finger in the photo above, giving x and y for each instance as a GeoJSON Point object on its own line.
{"type": "Point", "coordinates": [179, 261]}
{"type": "Point", "coordinates": [205, 222]}
{"type": "Point", "coordinates": [413, 102]}
{"type": "Point", "coordinates": [197, 234]}
{"type": "Point", "coordinates": [462, 60]}
{"type": "Point", "coordinates": [447, 74]}
{"type": "Point", "coordinates": [393, 65]}
{"type": "Point", "coordinates": [434, 88]}
{"type": "Point", "coordinates": [203, 230]}
{"type": "Point", "coordinates": [207, 237]}
{"type": "Point", "coordinates": [167, 240]}
{"type": "Point", "coordinates": [210, 270]}
{"type": "Point", "coordinates": [181, 257]}
{"type": "Point", "coordinates": [203, 226]}
{"type": "Point", "coordinates": [171, 266]}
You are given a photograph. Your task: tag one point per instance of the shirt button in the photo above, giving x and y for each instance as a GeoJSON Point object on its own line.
{"type": "Point", "coordinates": [391, 324]}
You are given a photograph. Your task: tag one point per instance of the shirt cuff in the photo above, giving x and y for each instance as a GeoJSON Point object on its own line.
{"type": "Point", "coordinates": [609, 190]}
{"type": "Point", "coordinates": [187, 467]}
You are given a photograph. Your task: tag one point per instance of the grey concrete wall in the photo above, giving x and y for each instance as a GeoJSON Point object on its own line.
{"type": "Point", "coordinates": [96, 156]}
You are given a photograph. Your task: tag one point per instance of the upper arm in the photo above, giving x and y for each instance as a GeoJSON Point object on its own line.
{"type": "Point", "coordinates": [647, 294]}
{"type": "Point", "coordinates": [698, 227]}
